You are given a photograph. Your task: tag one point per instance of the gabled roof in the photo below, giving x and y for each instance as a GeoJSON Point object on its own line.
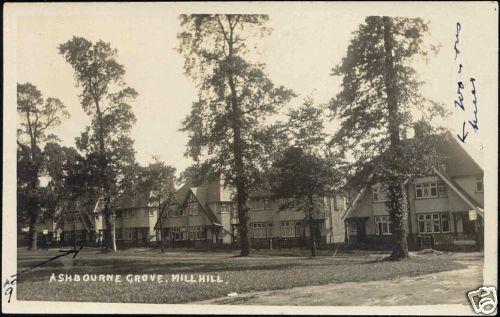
{"type": "Point", "coordinates": [200, 193]}
{"type": "Point", "coordinates": [475, 205]}
{"type": "Point", "coordinates": [457, 162]}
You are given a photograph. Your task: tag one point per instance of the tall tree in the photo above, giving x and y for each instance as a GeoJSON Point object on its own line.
{"type": "Point", "coordinates": [379, 86]}
{"type": "Point", "coordinates": [306, 129]}
{"type": "Point", "coordinates": [159, 179]}
{"type": "Point", "coordinates": [234, 97]}
{"type": "Point", "coordinates": [106, 99]}
{"type": "Point", "coordinates": [36, 116]}
{"type": "Point", "coordinates": [306, 178]}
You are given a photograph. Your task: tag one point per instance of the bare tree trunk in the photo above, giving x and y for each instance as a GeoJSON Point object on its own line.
{"type": "Point", "coordinates": [397, 203]}
{"type": "Point", "coordinates": [109, 232]}
{"type": "Point", "coordinates": [161, 234]}
{"type": "Point", "coordinates": [310, 207]}
{"type": "Point", "coordinates": [33, 235]}
{"type": "Point", "coordinates": [74, 231]}
{"type": "Point", "coordinates": [398, 210]}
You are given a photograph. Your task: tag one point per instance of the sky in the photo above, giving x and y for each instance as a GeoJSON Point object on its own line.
{"type": "Point", "coordinates": [299, 54]}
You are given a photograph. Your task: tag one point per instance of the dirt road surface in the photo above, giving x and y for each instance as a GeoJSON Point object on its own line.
{"type": "Point", "coordinates": [449, 287]}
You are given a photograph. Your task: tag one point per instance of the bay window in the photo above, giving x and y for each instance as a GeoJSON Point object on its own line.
{"type": "Point", "coordinates": [433, 222]}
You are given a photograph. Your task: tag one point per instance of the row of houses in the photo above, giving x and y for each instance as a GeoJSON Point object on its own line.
{"type": "Point", "coordinates": [445, 211]}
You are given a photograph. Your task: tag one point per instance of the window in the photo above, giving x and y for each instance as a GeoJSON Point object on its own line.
{"type": "Point", "coordinates": [299, 229]}
{"type": "Point", "coordinates": [129, 233]}
{"type": "Point", "coordinates": [119, 233]}
{"type": "Point", "coordinates": [262, 229]}
{"type": "Point", "coordinates": [433, 222]}
{"type": "Point", "coordinates": [196, 233]}
{"type": "Point", "coordinates": [379, 194]}
{"type": "Point", "coordinates": [234, 211]}
{"type": "Point", "coordinates": [149, 213]}
{"type": "Point", "coordinates": [118, 214]}
{"type": "Point", "coordinates": [479, 185]}
{"type": "Point", "coordinates": [383, 225]}
{"type": "Point", "coordinates": [178, 233]}
{"type": "Point", "coordinates": [291, 228]}
{"type": "Point", "coordinates": [192, 209]}
{"type": "Point", "coordinates": [445, 222]}
{"type": "Point", "coordinates": [175, 211]}
{"type": "Point", "coordinates": [79, 235]}
{"type": "Point", "coordinates": [430, 190]}
{"type": "Point", "coordinates": [286, 229]}
{"type": "Point", "coordinates": [224, 208]}
{"type": "Point", "coordinates": [267, 203]}
{"type": "Point", "coordinates": [258, 204]}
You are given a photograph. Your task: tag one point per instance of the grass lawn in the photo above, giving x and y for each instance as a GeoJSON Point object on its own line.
{"type": "Point", "coordinates": [264, 270]}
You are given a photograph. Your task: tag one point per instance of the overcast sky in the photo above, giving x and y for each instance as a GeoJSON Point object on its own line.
{"type": "Point", "coordinates": [299, 54]}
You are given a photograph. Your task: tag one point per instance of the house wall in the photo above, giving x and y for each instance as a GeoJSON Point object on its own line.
{"type": "Point", "coordinates": [452, 203]}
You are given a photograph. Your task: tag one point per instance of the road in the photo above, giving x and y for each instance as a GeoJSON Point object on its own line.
{"type": "Point", "coordinates": [448, 287]}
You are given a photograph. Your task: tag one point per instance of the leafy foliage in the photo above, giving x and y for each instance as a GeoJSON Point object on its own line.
{"type": "Point", "coordinates": [379, 86]}
{"type": "Point", "coordinates": [36, 117]}
{"type": "Point", "coordinates": [106, 142]}
{"type": "Point", "coordinates": [227, 121]}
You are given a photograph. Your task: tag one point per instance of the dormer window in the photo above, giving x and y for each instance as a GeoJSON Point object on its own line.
{"type": "Point", "coordinates": [479, 185]}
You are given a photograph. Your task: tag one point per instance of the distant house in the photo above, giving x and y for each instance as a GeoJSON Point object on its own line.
{"type": "Point", "coordinates": [200, 216]}
{"type": "Point", "coordinates": [135, 217]}
{"type": "Point", "coordinates": [445, 208]}
{"type": "Point", "coordinates": [206, 216]}
{"type": "Point", "coordinates": [84, 224]}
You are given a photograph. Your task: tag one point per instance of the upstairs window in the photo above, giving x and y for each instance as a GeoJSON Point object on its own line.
{"type": "Point", "coordinates": [479, 185]}
{"type": "Point", "coordinates": [430, 190]}
{"type": "Point", "coordinates": [260, 203]}
{"type": "Point", "coordinates": [379, 194]}
{"type": "Point", "coordinates": [224, 208]}
{"type": "Point", "coordinates": [192, 209]}
{"type": "Point", "coordinates": [175, 211]}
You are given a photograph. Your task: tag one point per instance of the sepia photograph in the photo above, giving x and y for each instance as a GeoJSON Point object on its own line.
{"type": "Point", "coordinates": [253, 157]}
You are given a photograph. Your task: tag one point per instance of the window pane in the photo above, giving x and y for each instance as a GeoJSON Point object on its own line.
{"type": "Point", "coordinates": [433, 191]}
{"type": "Point", "coordinates": [446, 225]}
{"type": "Point", "coordinates": [425, 192]}
{"type": "Point", "coordinates": [421, 227]}
{"type": "Point", "coordinates": [436, 226]}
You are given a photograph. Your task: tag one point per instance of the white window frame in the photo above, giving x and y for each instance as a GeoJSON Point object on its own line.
{"type": "Point", "coordinates": [193, 209]}
{"type": "Point", "coordinates": [196, 233]}
{"type": "Point", "coordinates": [225, 208]}
{"type": "Point", "coordinates": [287, 229]}
{"type": "Point", "coordinates": [440, 189]}
{"type": "Point", "coordinates": [262, 230]}
{"type": "Point", "coordinates": [479, 180]}
{"type": "Point", "coordinates": [384, 224]}
{"type": "Point", "coordinates": [180, 231]}
{"type": "Point", "coordinates": [429, 220]}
